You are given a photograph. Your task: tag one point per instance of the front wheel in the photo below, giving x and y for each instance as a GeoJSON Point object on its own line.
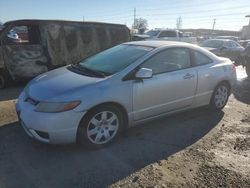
{"type": "Point", "coordinates": [248, 69]}
{"type": "Point", "coordinates": [220, 96]}
{"type": "Point", "coordinates": [100, 126]}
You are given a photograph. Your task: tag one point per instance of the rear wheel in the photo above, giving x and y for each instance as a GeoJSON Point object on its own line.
{"type": "Point", "coordinates": [248, 69]}
{"type": "Point", "coordinates": [220, 96]}
{"type": "Point", "coordinates": [100, 126]}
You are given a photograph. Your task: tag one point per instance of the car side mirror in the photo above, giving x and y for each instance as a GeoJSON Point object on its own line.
{"type": "Point", "coordinates": [144, 73]}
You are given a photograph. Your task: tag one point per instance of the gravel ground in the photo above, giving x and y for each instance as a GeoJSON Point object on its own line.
{"type": "Point", "coordinates": [198, 148]}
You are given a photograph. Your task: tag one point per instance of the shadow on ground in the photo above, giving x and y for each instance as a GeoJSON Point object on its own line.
{"type": "Point", "coordinates": [241, 90]}
{"type": "Point", "coordinates": [27, 163]}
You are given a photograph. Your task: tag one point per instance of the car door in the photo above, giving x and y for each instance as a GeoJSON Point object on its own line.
{"type": "Point", "coordinates": [23, 54]}
{"type": "Point", "coordinates": [206, 76]}
{"type": "Point", "coordinates": [172, 86]}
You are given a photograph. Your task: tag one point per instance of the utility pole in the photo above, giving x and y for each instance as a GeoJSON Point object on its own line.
{"type": "Point", "coordinates": [214, 24]}
{"type": "Point", "coordinates": [134, 18]}
{"type": "Point", "coordinates": [83, 19]}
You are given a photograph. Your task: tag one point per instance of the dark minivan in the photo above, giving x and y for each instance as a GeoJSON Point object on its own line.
{"type": "Point", "coordinates": [31, 47]}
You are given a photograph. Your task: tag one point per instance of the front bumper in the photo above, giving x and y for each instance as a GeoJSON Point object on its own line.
{"type": "Point", "coordinates": [54, 128]}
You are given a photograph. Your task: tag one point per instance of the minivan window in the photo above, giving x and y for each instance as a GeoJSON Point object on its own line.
{"type": "Point", "coordinates": [115, 59]}
{"type": "Point", "coordinates": [23, 34]}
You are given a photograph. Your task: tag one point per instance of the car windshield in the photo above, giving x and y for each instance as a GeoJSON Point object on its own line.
{"type": "Point", "coordinates": [114, 59]}
{"type": "Point", "coordinates": [152, 33]}
{"type": "Point", "coordinates": [213, 43]}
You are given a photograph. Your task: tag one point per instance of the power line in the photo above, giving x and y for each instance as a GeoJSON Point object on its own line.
{"type": "Point", "coordinates": [191, 12]}
{"type": "Point", "coordinates": [215, 15]}
{"type": "Point", "coordinates": [181, 12]}
{"type": "Point", "coordinates": [186, 6]}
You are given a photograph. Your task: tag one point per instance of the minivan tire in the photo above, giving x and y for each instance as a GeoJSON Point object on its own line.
{"type": "Point", "coordinates": [94, 128]}
{"type": "Point", "coordinates": [220, 96]}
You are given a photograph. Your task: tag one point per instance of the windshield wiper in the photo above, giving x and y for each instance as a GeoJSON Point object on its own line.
{"type": "Point", "coordinates": [85, 69]}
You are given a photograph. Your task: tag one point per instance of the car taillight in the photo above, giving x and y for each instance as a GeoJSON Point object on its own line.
{"type": "Point", "coordinates": [233, 67]}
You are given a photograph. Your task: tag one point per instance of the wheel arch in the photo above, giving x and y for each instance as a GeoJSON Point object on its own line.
{"type": "Point", "coordinates": [119, 106]}
{"type": "Point", "coordinates": [225, 82]}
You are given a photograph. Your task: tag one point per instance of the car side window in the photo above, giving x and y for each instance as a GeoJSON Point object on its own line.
{"type": "Point", "coordinates": [227, 44]}
{"type": "Point", "coordinates": [167, 34]}
{"type": "Point", "coordinates": [168, 60]}
{"type": "Point", "coordinates": [201, 59]}
{"type": "Point", "coordinates": [236, 44]}
{"type": "Point", "coordinates": [231, 45]}
{"type": "Point", "coordinates": [23, 34]}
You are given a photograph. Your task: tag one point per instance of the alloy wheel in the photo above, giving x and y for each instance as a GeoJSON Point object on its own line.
{"type": "Point", "coordinates": [220, 97]}
{"type": "Point", "coordinates": [102, 127]}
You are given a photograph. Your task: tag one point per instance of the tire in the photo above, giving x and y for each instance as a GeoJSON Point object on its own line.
{"type": "Point", "coordinates": [100, 127]}
{"type": "Point", "coordinates": [248, 69]}
{"type": "Point", "coordinates": [220, 96]}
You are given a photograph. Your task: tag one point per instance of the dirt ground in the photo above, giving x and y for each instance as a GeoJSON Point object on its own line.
{"type": "Point", "coordinates": [198, 148]}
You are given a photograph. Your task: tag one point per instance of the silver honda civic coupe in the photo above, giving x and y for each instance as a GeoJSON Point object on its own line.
{"type": "Point", "coordinates": [93, 101]}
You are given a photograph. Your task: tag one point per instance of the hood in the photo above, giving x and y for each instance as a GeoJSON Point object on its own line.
{"type": "Point", "coordinates": [140, 37]}
{"type": "Point", "coordinates": [51, 85]}
{"type": "Point", "coordinates": [210, 49]}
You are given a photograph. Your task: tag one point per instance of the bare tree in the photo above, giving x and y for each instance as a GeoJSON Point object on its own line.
{"type": "Point", "coordinates": [179, 23]}
{"type": "Point", "coordinates": [141, 25]}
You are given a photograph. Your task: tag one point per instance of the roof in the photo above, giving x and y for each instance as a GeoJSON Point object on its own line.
{"type": "Point", "coordinates": [227, 37]}
{"type": "Point", "coordinates": [56, 21]}
{"type": "Point", "coordinates": [158, 43]}
{"type": "Point", "coordinates": [221, 39]}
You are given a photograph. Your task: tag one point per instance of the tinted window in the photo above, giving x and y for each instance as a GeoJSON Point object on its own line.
{"type": "Point", "coordinates": [169, 60]}
{"type": "Point", "coordinates": [235, 44]}
{"type": "Point", "coordinates": [231, 44]}
{"type": "Point", "coordinates": [167, 34]}
{"type": "Point", "coordinates": [152, 33]}
{"type": "Point", "coordinates": [201, 59]}
{"type": "Point", "coordinates": [212, 43]}
{"type": "Point", "coordinates": [115, 59]}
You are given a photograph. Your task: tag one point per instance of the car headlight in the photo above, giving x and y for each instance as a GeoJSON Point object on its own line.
{"type": "Point", "coordinates": [56, 106]}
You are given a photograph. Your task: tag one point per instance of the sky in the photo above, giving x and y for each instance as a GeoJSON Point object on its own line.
{"type": "Point", "coordinates": [229, 14]}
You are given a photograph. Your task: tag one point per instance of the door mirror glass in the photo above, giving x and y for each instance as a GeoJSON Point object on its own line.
{"type": "Point", "coordinates": [144, 73]}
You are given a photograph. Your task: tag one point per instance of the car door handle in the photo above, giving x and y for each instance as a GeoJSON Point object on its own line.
{"type": "Point", "coordinates": [188, 76]}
